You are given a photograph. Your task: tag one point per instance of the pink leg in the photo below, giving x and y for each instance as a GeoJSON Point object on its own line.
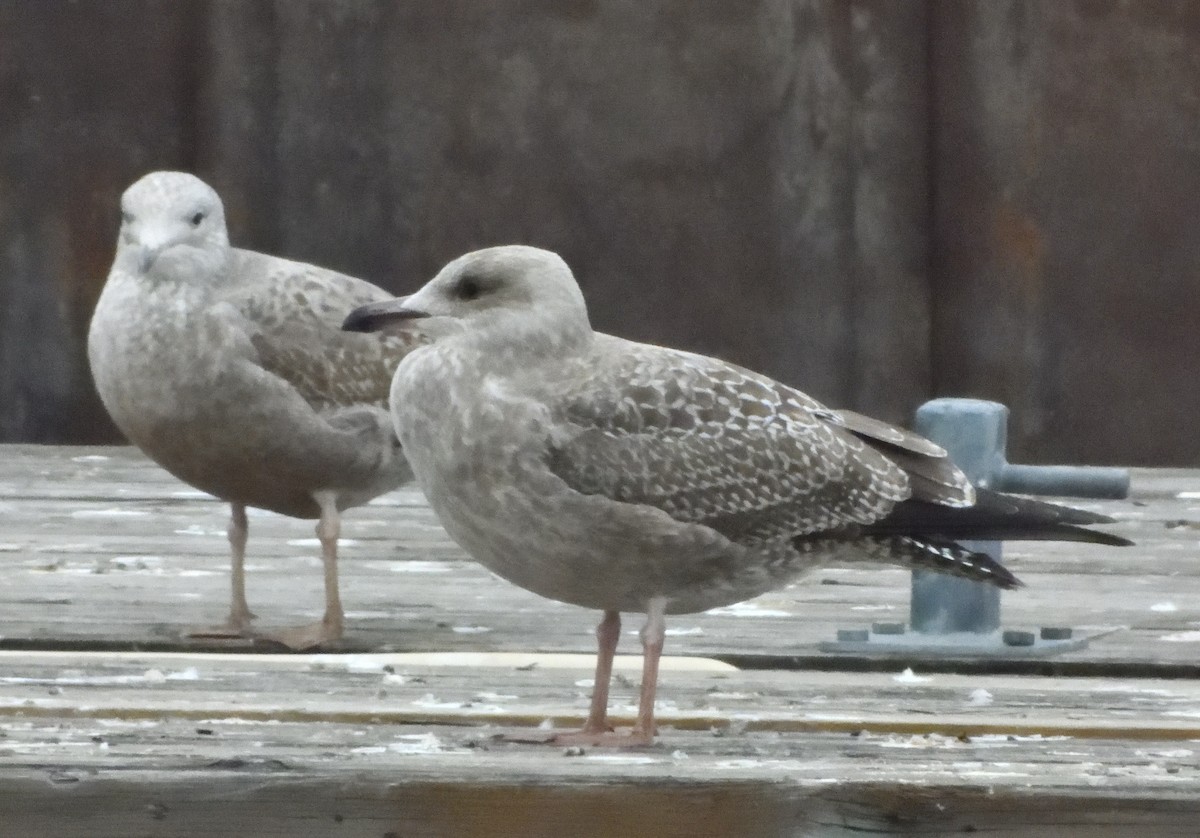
{"type": "Point", "coordinates": [329, 530]}
{"type": "Point", "coordinates": [238, 622]}
{"type": "Point", "coordinates": [331, 626]}
{"type": "Point", "coordinates": [239, 530]}
{"type": "Point", "coordinates": [596, 730]}
{"type": "Point", "coordinates": [653, 634]}
{"type": "Point", "coordinates": [608, 632]}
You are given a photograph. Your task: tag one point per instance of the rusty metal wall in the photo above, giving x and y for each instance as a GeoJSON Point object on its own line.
{"type": "Point", "coordinates": [1066, 268]}
{"type": "Point", "coordinates": [87, 101]}
{"type": "Point", "coordinates": [875, 201]}
{"type": "Point", "coordinates": [738, 179]}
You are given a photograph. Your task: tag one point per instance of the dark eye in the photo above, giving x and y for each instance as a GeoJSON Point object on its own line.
{"type": "Point", "coordinates": [468, 288]}
{"type": "Point", "coordinates": [197, 218]}
{"type": "Point", "coordinates": [126, 217]}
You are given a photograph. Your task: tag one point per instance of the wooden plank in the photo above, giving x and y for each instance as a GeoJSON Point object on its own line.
{"type": "Point", "coordinates": [206, 745]}
{"type": "Point", "coordinates": [102, 549]}
{"type": "Point", "coordinates": [276, 798]}
{"type": "Point", "coordinates": [518, 690]}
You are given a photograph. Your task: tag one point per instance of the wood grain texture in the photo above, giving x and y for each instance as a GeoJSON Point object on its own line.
{"type": "Point", "coordinates": [88, 532]}
{"type": "Point", "coordinates": [166, 745]}
{"type": "Point", "coordinates": [102, 551]}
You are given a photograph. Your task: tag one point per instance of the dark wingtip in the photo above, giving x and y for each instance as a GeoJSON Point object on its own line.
{"type": "Point", "coordinates": [998, 517]}
{"type": "Point", "coordinates": [1106, 538]}
{"type": "Point", "coordinates": [1011, 583]}
{"type": "Point", "coordinates": [1082, 532]}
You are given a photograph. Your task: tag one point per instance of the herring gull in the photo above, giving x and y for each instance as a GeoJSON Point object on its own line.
{"type": "Point", "coordinates": [229, 369]}
{"type": "Point", "coordinates": [628, 477]}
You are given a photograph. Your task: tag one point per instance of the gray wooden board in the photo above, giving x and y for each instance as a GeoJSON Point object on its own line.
{"type": "Point", "coordinates": [100, 548]}
{"type": "Point", "coordinates": [171, 744]}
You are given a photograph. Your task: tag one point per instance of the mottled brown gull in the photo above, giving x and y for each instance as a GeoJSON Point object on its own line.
{"type": "Point", "coordinates": [229, 369]}
{"type": "Point", "coordinates": [628, 477]}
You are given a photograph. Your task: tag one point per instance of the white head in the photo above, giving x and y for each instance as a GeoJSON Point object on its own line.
{"type": "Point", "coordinates": [503, 300]}
{"type": "Point", "coordinates": [172, 224]}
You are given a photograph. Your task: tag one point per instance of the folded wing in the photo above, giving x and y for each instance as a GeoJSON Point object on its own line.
{"type": "Point", "coordinates": [714, 444]}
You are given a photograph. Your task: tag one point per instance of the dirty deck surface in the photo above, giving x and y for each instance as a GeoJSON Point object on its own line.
{"type": "Point", "coordinates": [114, 722]}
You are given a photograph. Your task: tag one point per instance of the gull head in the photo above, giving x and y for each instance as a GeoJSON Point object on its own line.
{"type": "Point", "coordinates": [171, 220]}
{"type": "Point", "coordinates": [496, 298]}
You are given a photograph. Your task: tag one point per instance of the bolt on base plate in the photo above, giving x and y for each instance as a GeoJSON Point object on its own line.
{"type": "Point", "coordinates": [896, 639]}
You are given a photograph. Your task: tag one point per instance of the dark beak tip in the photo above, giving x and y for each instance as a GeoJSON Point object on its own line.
{"type": "Point", "coordinates": [358, 320]}
{"type": "Point", "coordinates": [371, 318]}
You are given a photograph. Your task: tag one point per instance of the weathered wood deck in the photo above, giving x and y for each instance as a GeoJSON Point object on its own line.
{"type": "Point", "coordinates": [113, 723]}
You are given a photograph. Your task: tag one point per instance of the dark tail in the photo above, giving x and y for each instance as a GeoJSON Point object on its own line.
{"type": "Point", "coordinates": [923, 535]}
{"type": "Point", "coordinates": [995, 517]}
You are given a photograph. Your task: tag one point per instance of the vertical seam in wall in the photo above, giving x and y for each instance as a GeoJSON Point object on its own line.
{"type": "Point", "coordinates": [932, 261]}
{"type": "Point", "coordinates": [848, 252]}
{"type": "Point", "coordinates": [274, 234]}
{"type": "Point", "coordinates": [191, 67]}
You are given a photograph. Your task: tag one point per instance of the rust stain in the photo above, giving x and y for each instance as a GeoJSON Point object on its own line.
{"type": "Point", "coordinates": [89, 230]}
{"type": "Point", "coordinates": [1020, 244]}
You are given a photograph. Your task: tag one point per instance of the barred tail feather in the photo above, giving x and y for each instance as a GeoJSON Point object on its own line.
{"type": "Point", "coordinates": [943, 557]}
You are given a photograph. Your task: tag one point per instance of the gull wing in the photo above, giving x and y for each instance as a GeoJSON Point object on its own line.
{"type": "Point", "coordinates": [715, 444]}
{"type": "Point", "coordinates": [293, 312]}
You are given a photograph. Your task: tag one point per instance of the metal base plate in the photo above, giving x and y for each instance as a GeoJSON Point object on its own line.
{"type": "Point", "coordinates": [897, 640]}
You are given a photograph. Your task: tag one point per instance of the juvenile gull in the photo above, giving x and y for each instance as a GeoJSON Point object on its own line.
{"type": "Point", "coordinates": [229, 369]}
{"type": "Point", "coordinates": [628, 477]}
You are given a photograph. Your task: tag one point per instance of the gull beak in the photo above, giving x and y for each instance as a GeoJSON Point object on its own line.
{"type": "Point", "coordinates": [146, 257]}
{"type": "Point", "coordinates": [152, 241]}
{"type": "Point", "coordinates": [388, 316]}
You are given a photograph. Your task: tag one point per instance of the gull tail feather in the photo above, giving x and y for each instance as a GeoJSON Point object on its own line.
{"type": "Point", "coordinates": [914, 553]}
{"type": "Point", "coordinates": [996, 517]}
{"type": "Point", "coordinates": [948, 558]}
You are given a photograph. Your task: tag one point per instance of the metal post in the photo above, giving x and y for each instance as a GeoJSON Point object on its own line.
{"type": "Point", "coordinates": [974, 434]}
{"type": "Point", "coordinates": [951, 616]}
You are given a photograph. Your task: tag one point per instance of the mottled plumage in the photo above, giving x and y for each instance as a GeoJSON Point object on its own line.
{"type": "Point", "coordinates": [629, 477]}
{"type": "Point", "coordinates": [229, 369]}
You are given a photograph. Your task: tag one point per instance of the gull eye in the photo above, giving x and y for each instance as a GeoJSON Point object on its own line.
{"type": "Point", "coordinates": [197, 218]}
{"type": "Point", "coordinates": [468, 288]}
{"type": "Point", "coordinates": [126, 217]}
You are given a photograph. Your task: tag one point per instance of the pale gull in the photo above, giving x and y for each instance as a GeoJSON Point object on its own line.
{"type": "Point", "coordinates": [628, 477]}
{"type": "Point", "coordinates": [229, 369]}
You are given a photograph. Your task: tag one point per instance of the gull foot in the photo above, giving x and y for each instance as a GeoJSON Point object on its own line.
{"type": "Point", "coordinates": [624, 738]}
{"type": "Point", "coordinates": [304, 638]}
{"type": "Point", "coordinates": [237, 627]}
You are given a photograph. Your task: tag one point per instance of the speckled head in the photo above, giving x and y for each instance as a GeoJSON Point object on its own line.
{"type": "Point", "coordinates": [499, 299]}
{"type": "Point", "coordinates": [172, 223]}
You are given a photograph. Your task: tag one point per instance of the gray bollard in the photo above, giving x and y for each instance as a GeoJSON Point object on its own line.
{"type": "Point", "coordinates": [949, 615]}
{"type": "Point", "coordinates": [975, 435]}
